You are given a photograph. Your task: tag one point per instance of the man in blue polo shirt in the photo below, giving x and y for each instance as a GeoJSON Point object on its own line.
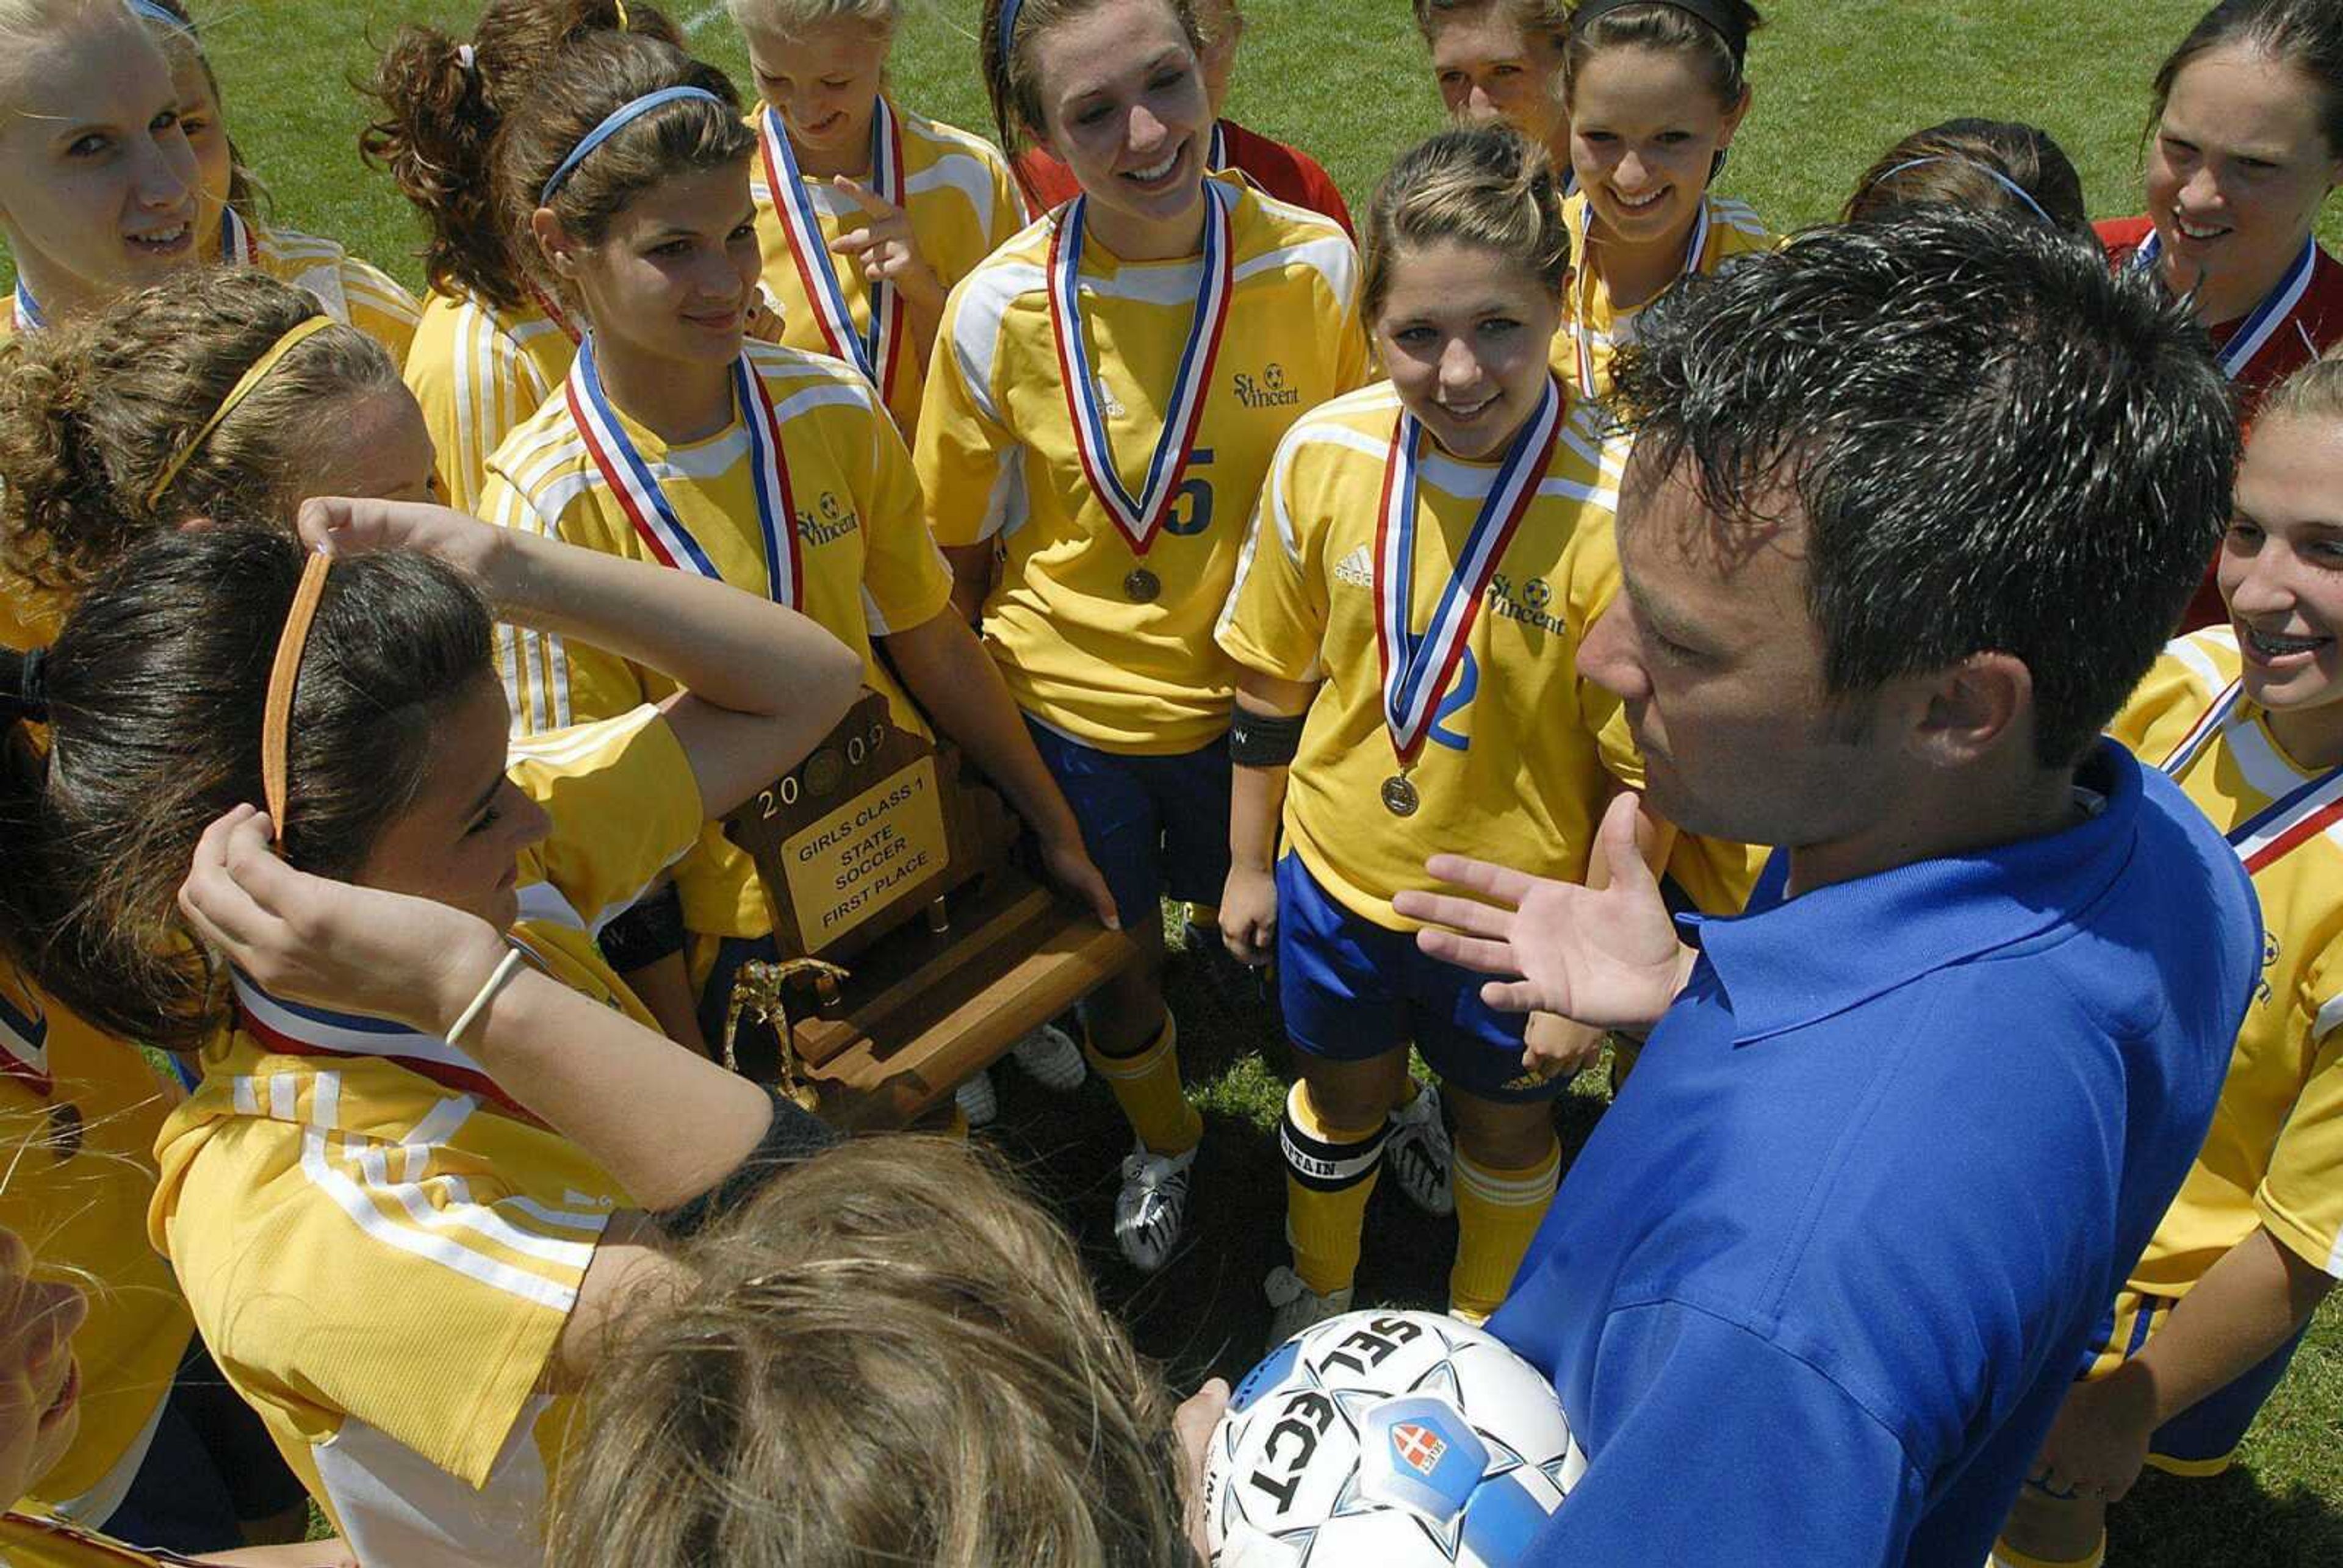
{"type": "Point", "coordinates": [1911, 510]}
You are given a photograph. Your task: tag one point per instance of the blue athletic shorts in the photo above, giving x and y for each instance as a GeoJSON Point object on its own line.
{"type": "Point", "coordinates": [210, 1466]}
{"type": "Point", "coordinates": [1155, 827]}
{"type": "Point", "coordinates": [1353, 989]}
{"type": "Point", "coordinates": [2203, 1438]}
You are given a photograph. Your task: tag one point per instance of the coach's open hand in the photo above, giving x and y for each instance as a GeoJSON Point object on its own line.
{"type": "Point", "coordinates": [1608, 958]}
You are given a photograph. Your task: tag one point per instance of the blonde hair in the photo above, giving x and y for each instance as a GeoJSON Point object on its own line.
{"type": "Point", "coordinates": [1484, 186]}
{"type": "Point", "coordinates": [892, 1355]}
{"type": "Point", "coordinates": [795, 16]}
{"type": "Point", "coordinates": [2313, 392]}
{"type": "Point", "coordinates": [92, 413]}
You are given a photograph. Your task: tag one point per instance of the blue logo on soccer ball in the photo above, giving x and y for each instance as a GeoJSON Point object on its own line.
{"type": "Point", "coordinates": [1268, 1375]}
{"type": "Point", "coordinates": [1416, 1453]}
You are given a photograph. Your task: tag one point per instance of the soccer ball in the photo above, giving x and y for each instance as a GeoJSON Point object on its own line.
{"type": "Point", "coordinates": [1391, 1438]}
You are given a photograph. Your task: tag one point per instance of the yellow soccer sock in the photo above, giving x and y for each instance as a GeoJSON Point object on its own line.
{"type": "Point", "coordinates": [2004, 1557]}
{"type": "Point", "coordinates": [1328, 1173]}
{"type": "Point", "coordinates": [1497, 1214]}
{"type": "Point", "coordinates": [1146, 1084]}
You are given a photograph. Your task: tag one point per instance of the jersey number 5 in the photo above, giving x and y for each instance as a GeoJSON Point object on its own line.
{"type": "Point", "coordinates": [1193, 512]}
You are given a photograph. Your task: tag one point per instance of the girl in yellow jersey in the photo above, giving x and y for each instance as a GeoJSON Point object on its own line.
{"type": "Point", "coordinates": [390, 1254]}
{"type": "Point", "coordinates": [229, 228]}
{"type": "Point", "coordinates": [1654, 91]}
{"type": "Point", "coordinates": [1426, 555]}
{"type": "Point", "coordinates": [676, 441]}
{"type": "Point", "coordinates": [2248, 717]}
{"type": "Point", "coordinates": [1106, 391]}
{"type": "Point", "coordinates": [98, 183]}
{"type": "Point", "coordinates": [491, 347]}
{"type": "Point", "coordinates": [867, 212]}
{"type": "Point", "coordinates": [96, 421]}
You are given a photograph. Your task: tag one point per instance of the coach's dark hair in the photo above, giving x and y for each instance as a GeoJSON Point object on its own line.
{"type": "Point", "coordinates": [1996, 446]}
{"type": "Point", "coordinates": [1671, 30]}
{"type": "Point", "coordinates": [1013, 79]}
{"type": "Point", "coordinates": [93, 411]}
{"type": "Point", "coordinates": [574, 93]}
{"type": "Point", "coordinates": [2306, 35]}
{"type": "Point", "coordinates": [1484, 186]}
{"type": "Point", "coordinates": [440, 114]}
{"type": "Point", "coordinates": [155, 690]}
{"type": "Point", "coordinates": [1955, 165]}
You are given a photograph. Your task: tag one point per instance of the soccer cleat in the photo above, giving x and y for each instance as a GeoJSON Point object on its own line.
{"type": "Point", "coordinates": [976, 1098]}
{"type": "Point", "coordinates": [1153, 1207]}
{"type": "Point", "coordinates": [1296, 1306]}
{"type": "Point", "coordinates": [1419, 1156]}
{"type": "Point", "coordinates": [1050, 1059]}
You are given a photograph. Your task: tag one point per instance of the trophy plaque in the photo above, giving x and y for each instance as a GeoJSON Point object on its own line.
{"type": "Point", "coordinates": [935, 949]}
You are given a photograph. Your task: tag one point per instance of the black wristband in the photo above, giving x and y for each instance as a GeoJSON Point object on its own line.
{"type": "Point", "coordinates": [794, 1135]}
{"type": "Point", "coordinates": [1264, 739]}
{"type": "Point", "coordinates": [651, 930]}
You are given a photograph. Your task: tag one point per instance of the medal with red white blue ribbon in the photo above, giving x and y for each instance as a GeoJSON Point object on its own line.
{"type": "Point", "coordinates": [2259, 327]}
{"type": "Point", "coordinates": [873, 350]}
{"type": "Point", "coordinates": [237, 246]}
{"type": "Point", "coordinates": [1417, 669]}
{"type": "Point", "coordinates": [2294, 818]}
{"type": "Point", "coordinates": [27, 310]}
{"type": "Point", "coordinates": [654, 518]}
{"type": "Point", "coordinates": [1582, 334]}
{"type": "Point", "coordinates": [1141, 517]}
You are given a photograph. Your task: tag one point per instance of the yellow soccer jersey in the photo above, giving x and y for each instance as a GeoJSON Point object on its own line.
{"type": "Point", "coordinates": [79, 1111]}
{"type": "Point", "coordinates": [379, 1248]}
{"type": "Point", "coordinates": [870, 566]}
{"type": "Point", "coordinates": [1513, 765]}
{"type": "Point", "coordinates": [961, 202]}
{"type": "Point", "coordinates": [997, 458]}
{"type": "Point", "coordinates": [478, 371]}
{"type": "Point", "coordinates": [352, 291]}
{"type": "Point", "coordinates": [2275, 1154]}
{"type": "Point", "coordinates": [1592, 331]}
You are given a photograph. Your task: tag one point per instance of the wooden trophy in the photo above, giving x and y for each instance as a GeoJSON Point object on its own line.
{"type": "Point", "coordinates": [914, 946]}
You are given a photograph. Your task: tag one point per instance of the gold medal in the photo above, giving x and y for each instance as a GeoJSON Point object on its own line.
{"type": "Point", "coordinates": [1400, 797]}
{"type": "Point", "coordinates": [1141, 587]}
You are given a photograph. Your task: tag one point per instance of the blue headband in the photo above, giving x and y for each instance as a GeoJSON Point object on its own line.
{"type": "Point", "coordinates": [163, 14]}
{"type": "Point", "coordinates": [618, 120]}
{"type": "Point", "coordinates": [1008, 12]}
{"type": "Point", "coordinates": [1995, 175]}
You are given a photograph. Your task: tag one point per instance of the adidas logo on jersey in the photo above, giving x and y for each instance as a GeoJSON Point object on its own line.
{"type": "Point", "coordinates": [1108, 402]}
{"type": "Point", "coordinates": [1356, 569]}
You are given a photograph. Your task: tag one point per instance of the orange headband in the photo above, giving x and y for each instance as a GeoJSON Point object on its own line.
{"type": "Point", "coordinates": [276, 717]}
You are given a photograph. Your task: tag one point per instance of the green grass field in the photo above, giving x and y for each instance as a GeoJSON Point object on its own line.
{"type": "Point", "coordinates": [1836, 82]}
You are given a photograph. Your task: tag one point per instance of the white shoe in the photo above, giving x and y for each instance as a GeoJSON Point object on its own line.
{"type": "Point", "coordinates": [1050, 1059]}
{"type": "Point", "coordinates": [1153, 1207]}
{"type": "Point", "coordinates": [976, 1098]}
{"type": "Point", "coordinates": [1418, 1154]}
{"type": "Point", "coordinates": [1298, 1307]}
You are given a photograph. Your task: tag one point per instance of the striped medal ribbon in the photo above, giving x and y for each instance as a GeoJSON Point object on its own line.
{"type": "Point", "coordinates": [645, 505]}
{"type": "Point", "coordinates": [28, 314]}
{"type": "Point", "coordinates": [2294, 818]}
{"type": "Point", "coordinates": [1216, 157]}
{"type": "Point", "coordinates": [1141, 517]}
{"type": "Point", "coordinates": [296, 1029]}
{"type": "Point", "coordinates": [2259, 327]}
{"type": "Point", "coordinates": [1581, 333]}
{"type": "Point", "coordinates": [873, 350]}
{"type": "Point", "coordinates": [238, 247]}
{"type": "Point", "coordinates": [1417, 669]}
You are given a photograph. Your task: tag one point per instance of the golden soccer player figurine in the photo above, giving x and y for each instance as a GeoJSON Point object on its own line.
{"type": "Point", "coordinates": [1107, 389]}
{"type": "Point", "coordinates": [1654, 91]}
{"type": "Point", "coordinates": [1426, 555]}
{"type": "Point", "coordinates": [391, 1256]}
{"type": "Point", "coordinates": [229, 229]}
{"type": "Point", "coordinates": [491, 347]}
{"type": "Point", "coordinates": [2248, 717]}
{"type": "Point", "coordinates": [867, 212]}
{"type": "Point", "coordinates": [676, 440]}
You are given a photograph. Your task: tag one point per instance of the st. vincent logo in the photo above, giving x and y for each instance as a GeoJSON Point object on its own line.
{"type": "Point", "coordinates": [1267, 390]}
{"type": "Point", "coordinates": [829, 520]}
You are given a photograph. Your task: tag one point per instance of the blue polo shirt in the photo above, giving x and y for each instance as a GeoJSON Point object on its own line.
{"type": "Point", "coordinates": [1815, 1289]}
